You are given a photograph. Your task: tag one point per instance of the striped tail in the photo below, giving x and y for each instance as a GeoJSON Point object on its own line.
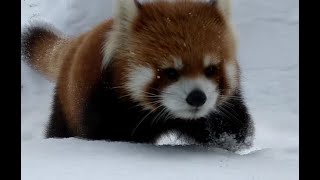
{"type": "Point", "coordinates": [42, 49]}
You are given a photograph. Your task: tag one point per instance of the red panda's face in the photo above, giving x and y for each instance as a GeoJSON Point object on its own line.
{"type": "Point", "coordinates": [179, 58]}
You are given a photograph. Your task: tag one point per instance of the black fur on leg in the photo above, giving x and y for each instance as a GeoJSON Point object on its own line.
{"type": "Point", "coordinates": [57, 127]}
{"type": "Point", "coordinates": [231, 127]}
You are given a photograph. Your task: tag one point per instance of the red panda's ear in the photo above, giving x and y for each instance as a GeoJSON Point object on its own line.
{"type": "Point", "coordinates": [224, 6]}
{"type": "Point", "coordinates": [125, 11]}
{"type": "Point", "coordinates": [138, 4]}
{"type": "Point", "coordinates": [212, 2]}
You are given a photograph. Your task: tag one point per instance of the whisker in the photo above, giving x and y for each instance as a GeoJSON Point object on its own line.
{"type": "Point", "coordinates": [144, 119]}
{"type": "Point", "coordinates": [236, 114]}
{"type": "Point", "coordinates": [137, 105]}
{"type": "Point", "coordinates": [235, 97]}
{"type": "Point", "coordinates": [235, 119]}
{"type": "Point", "coordinates": [116, 87]}
{"type": "Point", "coordinates": [163, 92]}
{"type": "Point", "coordinates": [127, 95]}
{"type": "Point", "coordinates": [222, 111]}
{"type": "Point", "coordinates": [155, 119]}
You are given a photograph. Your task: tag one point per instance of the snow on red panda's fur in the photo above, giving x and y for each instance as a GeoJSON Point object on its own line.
{"type": "Point", "coordinates": [155, 68]}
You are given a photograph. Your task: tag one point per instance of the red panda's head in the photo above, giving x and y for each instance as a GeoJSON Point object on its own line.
{"type": "Point", "coordinates": [179, 56]}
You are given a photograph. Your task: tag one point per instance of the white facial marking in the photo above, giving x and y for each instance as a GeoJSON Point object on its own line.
{"type": "Point", "coordinates": [232, 75]}
{"type": "Point", "coordinates": [139, 78]}
{"type": "Point", "coordinates": [210, 60]}
{"type": "Point", "coordinates": [207, 61]}
{"type": "Point", "coordinates": [172, 138]}
{"type": "Point", "coordinates": [175, 95]}
{"type": "Point", "coordinates": [178, 64]}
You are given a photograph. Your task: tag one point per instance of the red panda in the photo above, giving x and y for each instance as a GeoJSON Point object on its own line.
{"type": "Point", "coordinates": [155, 68]}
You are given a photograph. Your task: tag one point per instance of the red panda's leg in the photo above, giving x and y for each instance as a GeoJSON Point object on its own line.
{"type": "Point", "coordinates": [57, 127]}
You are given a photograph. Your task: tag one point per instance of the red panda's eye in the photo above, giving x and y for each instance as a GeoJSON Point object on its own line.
{"type": "Point", "coordinates": [210, 71]}
{"type": "Point", "coordinates": [172, 73]}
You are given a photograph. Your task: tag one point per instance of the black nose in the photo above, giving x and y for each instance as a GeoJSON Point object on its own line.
{"type": "Point", "coordinates": [196, 98]}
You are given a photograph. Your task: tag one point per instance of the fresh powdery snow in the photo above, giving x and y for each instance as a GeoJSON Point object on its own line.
{"type": "Point", "coordinates": [268, 52]}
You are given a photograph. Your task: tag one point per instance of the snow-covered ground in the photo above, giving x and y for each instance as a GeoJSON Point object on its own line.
{"type": "Point", "coordinates": [268, 41]}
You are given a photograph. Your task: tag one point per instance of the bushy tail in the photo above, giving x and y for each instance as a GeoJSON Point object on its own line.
{"type": "Point", "coordinates": [41, 47]}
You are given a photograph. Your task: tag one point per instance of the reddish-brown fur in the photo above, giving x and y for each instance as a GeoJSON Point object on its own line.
{"type": "Point", "coordinates": [83, 62]}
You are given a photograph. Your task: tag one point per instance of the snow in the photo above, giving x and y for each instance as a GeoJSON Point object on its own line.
{"type": "Point", "coordinates": [268, 33]}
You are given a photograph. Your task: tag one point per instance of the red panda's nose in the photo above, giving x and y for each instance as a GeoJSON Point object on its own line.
{"type": "Point", "coordinates": [196, 98]}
